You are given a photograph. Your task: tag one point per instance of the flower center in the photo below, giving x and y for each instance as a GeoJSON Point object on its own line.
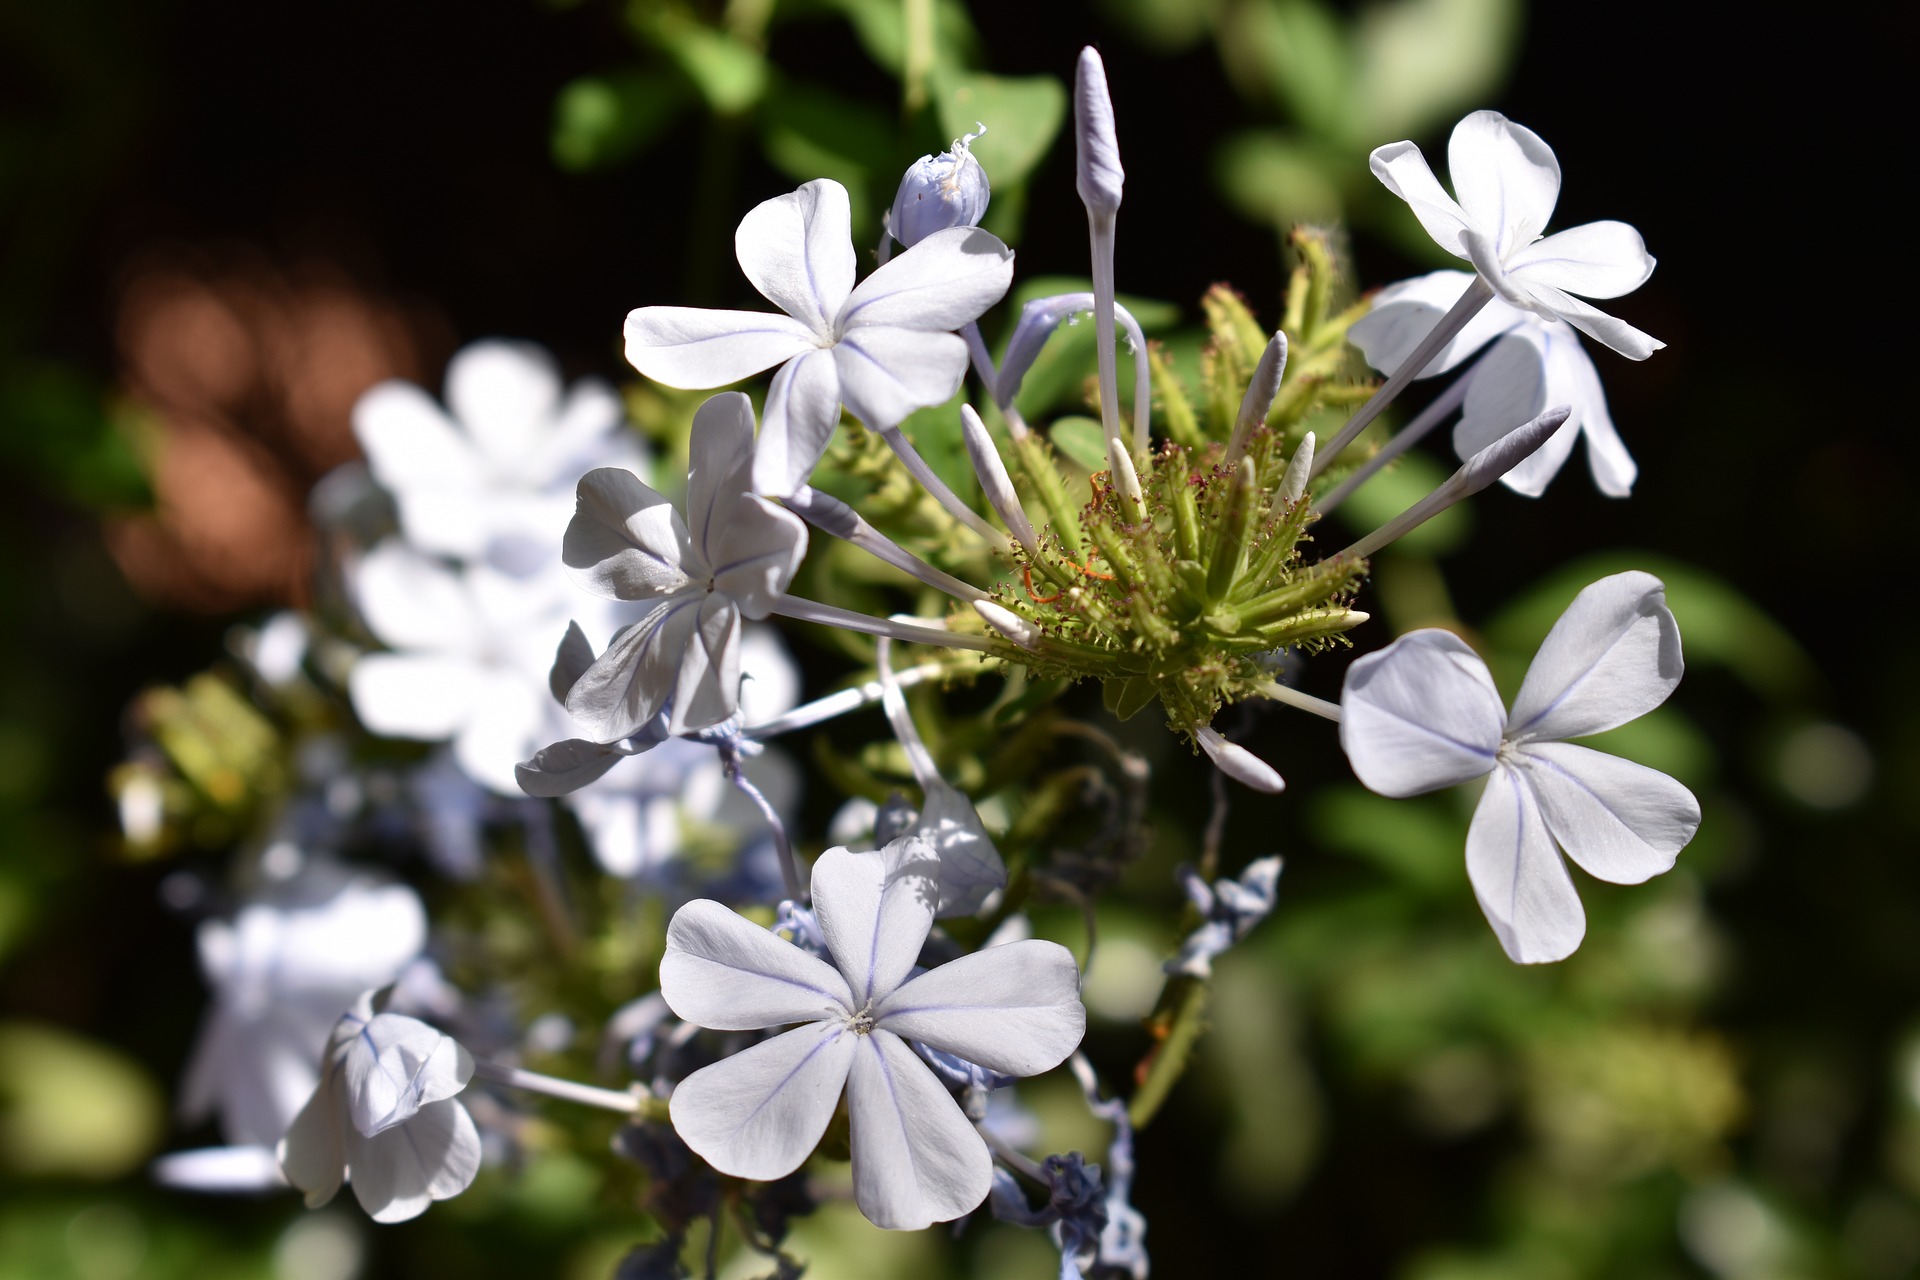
{"type": "Point", "coordinates": [861, 1023]}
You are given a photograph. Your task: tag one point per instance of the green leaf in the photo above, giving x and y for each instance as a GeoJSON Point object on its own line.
{"type": "Point", "coordinates": [1127, 698]}
{"type": "Point", "coordinates": [812, 132]}
{"type": "Point", "coordinates": [1083, 440]}
{"type": "Point", "coordinates": [1296, 52]}
{"type": "Point", "coordinates": [731, 76]}
{"type": "Point", "coordinates": [1275, 178]}
{"type": "Point", "coordinates": [600, 121]}
{"type": "Point", "coordinates": [881, 28]}
{"type": "Point", "coordinates": [1422, 62]}
{"type": "Point", "coordinates": [1023, 115]}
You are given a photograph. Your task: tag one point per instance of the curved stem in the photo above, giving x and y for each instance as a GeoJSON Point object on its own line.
{"type": "Point", "coordinates": [630, 1101]}
{"type": "Point", "coordinates": [929, 480]}
{"type": "Point", "coordinates": [1408, 436]}
{"type": "Point", "coordinates": [1477, 295]}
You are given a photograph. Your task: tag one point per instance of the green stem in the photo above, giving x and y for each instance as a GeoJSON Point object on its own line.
{"type": "Point", "coordinates": [1187, 998]}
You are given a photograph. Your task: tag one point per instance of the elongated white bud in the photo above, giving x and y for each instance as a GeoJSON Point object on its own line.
{"type": "Point", "coordinates": [1294, 483]}
{"type": "Point", "coordinates": [994, 480]}
{"type": "Point", "coordinates": [1008, 623]}
{"type": "Point", "coordinates": [1125, 478]}
{"type": "Point", "coordinates": [1240, 764]}
{"type": "Point", "coordinates": [1479, 471]}
{"type": "Point", "coordinates": [1098, 175]}
{"type": "Point", "coordinates": [1259, 398]}
{"type": "Point", "coordinates": [829, 514]}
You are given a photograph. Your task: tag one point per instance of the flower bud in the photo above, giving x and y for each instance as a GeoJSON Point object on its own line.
{"type": "Point", "coordinates": [1098, 174]}
{"type": "Point", "coordinates": [947, 190]}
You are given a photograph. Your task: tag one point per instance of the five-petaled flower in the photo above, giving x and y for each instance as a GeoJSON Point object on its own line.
{"type": "Point", "coordinates": [732, 558]}
{"type": "Point", "coordinates": [1507, 181]}
{"type": "Point", "coordinates": [1423, 714]}
{"type": "Point", "coordinates": [1014, 1009]}
{"type": "Point", "coordinates": [882, 349]}
{"type": "Point", "coordinates": [385, 1118]}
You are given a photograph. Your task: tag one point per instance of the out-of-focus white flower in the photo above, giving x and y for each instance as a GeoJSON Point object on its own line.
{"type": "Point", "coordinates": [493, 478]}
{"type": "Point", "coordinates": [384, 1117]}
{"type": "Point", "coordinates": [1535, 361]}
{"type": "Point", "coordinates": [1508, 181]}
{"type": "Point", "coordinates": [732, 558]}
{"type": "Point", "coordinates": [882, 349]}
{"type": "Point", "coordinates": [1423, 714]}
{"type": "Point", "coordinates": [282, 971]}
{"type": "Point", "coordinates": [1013, 1009]}
{"type": "Point", "coordinates": [470, 650]}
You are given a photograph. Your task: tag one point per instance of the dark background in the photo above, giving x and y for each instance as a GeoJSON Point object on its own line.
{"type": "Point", "coordinates": [408, 143]}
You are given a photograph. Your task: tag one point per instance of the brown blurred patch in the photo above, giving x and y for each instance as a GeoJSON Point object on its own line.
{"type": "Point", "coordinates": [248, 371]}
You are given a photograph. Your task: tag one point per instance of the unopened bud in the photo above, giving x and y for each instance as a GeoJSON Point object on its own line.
{"type": "Point", "coordinates": [1258, 401]}
{"type": "Point", "coordinates": [1098, 175]}
{"type": "Point", "coordinates": [1299, 467]}
{"type": "Point", "coordinates": [994, 480]}
{"type": "Point", "coordinates": [947, 190]}
{"type": "Point", "coordinates": [1240, 764]}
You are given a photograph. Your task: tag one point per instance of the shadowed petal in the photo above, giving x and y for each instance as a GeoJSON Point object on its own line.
{"type": "Point", "coordinates": [1510, 387]}
{"type": "Point", "coordinates": [1518, 876]}
{"type": "Point", "coordinates": [1403, 314]}
{"type": "Point", "coordinates": [803, 408]}
{"type": "Point", "coordinates": [875, 911]}
{"type": "Point", "coordinates": [433, 1156]}
{"type": "Point", "coordinates": [626, 688]}
{"type": "Point", "coordinates": [1613, 656]}
{"type": "Point", "coordinates": [916, 1159]}
{"type": "Point", "coordinates": [943, 282]}
{"type": "Point", "coordinates": [760, 1113]}
{"type": "Point", "coordinates": [626, 541]}
{"type": "Point", "coordinates": [1014, 1008]}
{"type": "Point", "coordinates": [798, 251]}
{"type": "Point", "coordinates": [313, 1155]}
{"type": "Point", "coordinates": [708, 688]}
{"type": "Point", "coordinates": [1621, 821]}
{"type": "Point", "coordinates": [1419, 715]}
{"type": "Point", "coordinates": [887, 373]}
{"type": "Point", "coordinates": [724, 972]}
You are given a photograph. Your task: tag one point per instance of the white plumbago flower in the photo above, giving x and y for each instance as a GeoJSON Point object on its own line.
{"type": "Point", "coordinates": [732, 558]}
{"type": "Point", "coordinates": [282, 970]}
{"type": "Point", "coordinates": [493, 478]}
{"type": "Point", "coordinates": [1507, 181]}
{"type": "Point", "coordinates": [1423, 714]}
{"type": "Point", "coordinates": [917, 1160]}
{"type": "Point", "coordinates": [882, 349]}
{"type": "Point", "coordinates": [385, 1118]}
{"type": "Point", "coordinates": [471, 648]}
{"type": "Point", "coordinates": [1535, 361]}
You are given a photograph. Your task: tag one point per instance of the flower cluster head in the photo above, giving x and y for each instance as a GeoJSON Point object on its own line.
{"type": "Point", "coordinates": [917, 1160]}
{"type": "Point", "coordinates": [1423, 714]}
{"type": "Point", "coordinates": [385, 1117]}
{"type": "Point", "coordinates": [882, 349]}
